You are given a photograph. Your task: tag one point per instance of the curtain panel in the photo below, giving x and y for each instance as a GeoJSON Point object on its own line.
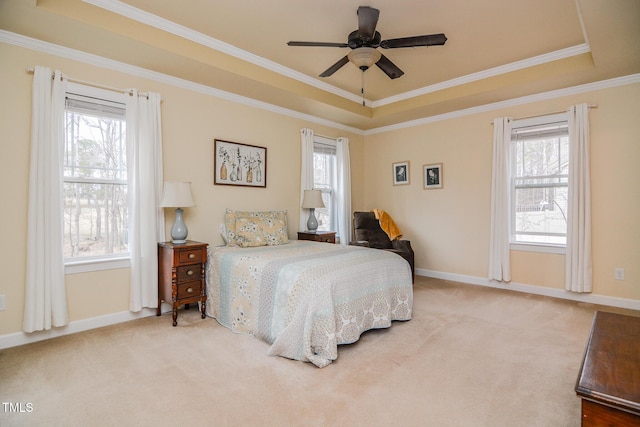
{"type": "Point", "coordinates": [499, 252]}
{"type": "Point", "coordinates": [45, 293]}
{"type": "Point", "coordinates": [343, 162]}
{"type": "Point", "coordinates": [306, 171]}
{"type": "Point", "coordinates": [145, 180]}
{"type": "Point", "coordinates": [578, 268]}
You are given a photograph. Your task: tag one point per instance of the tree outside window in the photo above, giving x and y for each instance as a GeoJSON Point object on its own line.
{"type": "Point", "coordinates": [540, 180]}
{"type": "Point", "coordinates": [95, 179]}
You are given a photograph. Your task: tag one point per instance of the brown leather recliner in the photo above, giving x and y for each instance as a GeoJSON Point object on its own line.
{"type": "Point", "coordinates": [367, 232]}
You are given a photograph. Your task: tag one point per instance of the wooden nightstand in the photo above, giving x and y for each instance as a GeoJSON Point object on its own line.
{"type": "Point", "coordinates": [318, 236]}
{"type": "Point", "coordinates": [181, 275]}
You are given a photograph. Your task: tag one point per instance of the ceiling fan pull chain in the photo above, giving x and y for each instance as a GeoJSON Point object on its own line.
{"type": "Point", "coordinates": [362, 88]}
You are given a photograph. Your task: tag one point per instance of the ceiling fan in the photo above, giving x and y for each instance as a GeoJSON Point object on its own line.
{"type": "Point", "coordinates": [364, 43]}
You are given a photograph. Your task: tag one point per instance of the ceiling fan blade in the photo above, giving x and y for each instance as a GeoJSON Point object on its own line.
{"type": "Point", "coordinates": [389, 68]}
{"type": "Point", "coordinates": [367, 21]}
{"type": "Point", "coordinates": [317, 44]}
{"type": "Point", "coordinates": [428, 40]}
{"type": "Point", "coordinates": [335, 67]}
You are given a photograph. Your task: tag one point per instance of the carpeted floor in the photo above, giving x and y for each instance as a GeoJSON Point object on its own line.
{"type": "Point", "coordinates": [471, 356]}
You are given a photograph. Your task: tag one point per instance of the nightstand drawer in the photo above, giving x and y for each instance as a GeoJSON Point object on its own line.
{"type": "Point", "coordinates": [189, 290]}
{"type": "Point", "coordinates": [189, 272]}
{"type": "Point", "coordinates": [191, 256]}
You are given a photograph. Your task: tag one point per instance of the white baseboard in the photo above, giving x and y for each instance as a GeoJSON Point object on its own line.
{"type": "Point", "coordinates": [532, 289]}
{"type": "Point", "coordinates": [20, 338]}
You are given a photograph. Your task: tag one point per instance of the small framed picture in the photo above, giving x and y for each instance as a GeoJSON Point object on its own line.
{"type": "Point", "coordinates": [401, 173]}
{"type": "Point", "coordinates": [432, 175]}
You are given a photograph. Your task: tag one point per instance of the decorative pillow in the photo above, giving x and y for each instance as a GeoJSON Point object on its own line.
{"type": "Point", "coordinates": [274, 230]}
{"type": "Point", "coordinates": [258, 228]}
{"type": "Point", "coordinates": [230, 227]}
{"type": "Point", "coordinates": [249, 232]}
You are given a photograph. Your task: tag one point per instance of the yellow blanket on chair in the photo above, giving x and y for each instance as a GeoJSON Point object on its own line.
{"type": "Point", "coordinates": [387, 224]}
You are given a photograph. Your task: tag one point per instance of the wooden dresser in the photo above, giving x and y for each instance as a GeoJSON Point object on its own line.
{"type": "Point", "coordinates": [609, 379]}
{"type": "Point", "coordinates": [181, 275]}
{"type": "Point", "coordinates": [318, 236]}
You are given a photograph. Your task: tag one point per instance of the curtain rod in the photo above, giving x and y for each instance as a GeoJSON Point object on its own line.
{"type": "Point", "coordinates": [545, 114]}
{"type": "Point", "coordinates": [324, 136]}
{"type": "Point", "coordinates": [96, 85]}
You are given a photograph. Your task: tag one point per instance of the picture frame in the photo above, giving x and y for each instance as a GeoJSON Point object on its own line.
{"type": "Point", "coordinates": [401, 173]}
{"type": "Point", "coordinates": [239, 164]}
{"type": "Point", "coordinates": [432, 176]}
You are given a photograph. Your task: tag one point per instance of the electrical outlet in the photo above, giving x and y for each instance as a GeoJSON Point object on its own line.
{"type": "Point", "coordinates": [3, 303]}
{"type": "Point", "coordinates": [618, 273]}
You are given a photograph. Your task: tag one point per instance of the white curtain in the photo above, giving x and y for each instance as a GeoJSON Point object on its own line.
{"type": "Point", "coordinates": [343, 165]}
{"type": "Point", "coordinates": [146, 218]}
{"type": "Point", "coordinates": [306, 173]}
{"type": "Point", "coordinates": [578, 274]}
{"type": "Point", "coordinates": [45, 294]}
{"type": "Point", "coordinates": [499, 261]}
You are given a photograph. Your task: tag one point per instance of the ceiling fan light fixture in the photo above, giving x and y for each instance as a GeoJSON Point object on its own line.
{"type": "Point", "coordinates": [364, 57]}
{"type": "Point", "coordinates": [364, 43]}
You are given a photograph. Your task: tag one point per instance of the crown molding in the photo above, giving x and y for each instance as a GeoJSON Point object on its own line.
{"type": "Point", "coordinates": [163, 24]}
{"type": "Point", "coordinates": [589, 87]}
{"type": "Point", "coordinates": [87, 58]}
{"type": "Point", "coordinates": [128, 11]}
{"type": "Point", "coordinates": [98, 61]}
{"type": "Point", "coordinates": [485, 74]}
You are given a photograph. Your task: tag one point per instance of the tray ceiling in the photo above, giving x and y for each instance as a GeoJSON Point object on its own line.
{"type": "Point", "coordinates": [496, 49]}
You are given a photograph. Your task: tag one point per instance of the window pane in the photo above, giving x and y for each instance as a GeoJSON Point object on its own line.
{"type": "Point", "coordinates": [542, 157]}
{"type": "Point", "coordinates": [95, 219]}
{"type": "Point", "coordinates": [540, 184]}
{"type": "Point", "coordinates": [541, 215]}
{"type": "Point", "coordinates": [323, 214]}
{"type": "Point", "coordinates": [95, 180]}
{"type": "Point", "coordinates": [323, 169]}
{"type": "Point", "coordinates": [324, 162]}
{"type": "Point", "coordinates": [95, 148]}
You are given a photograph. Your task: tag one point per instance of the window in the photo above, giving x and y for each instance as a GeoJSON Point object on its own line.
{"type": "Point", "coordinates": [540, 180]}
{"type": "Point", "coordinates": [95, 175]}
{"type": "Point", "coordinates": [324, 178]}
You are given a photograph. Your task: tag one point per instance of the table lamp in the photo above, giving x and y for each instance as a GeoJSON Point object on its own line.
{"type": "Point", "coordinates": [312, 200]}
{"type": "Point", "coordinates": [177, 195]}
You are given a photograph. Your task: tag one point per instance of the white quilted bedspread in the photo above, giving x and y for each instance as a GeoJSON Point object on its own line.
{"type": "Point", "coordinates": [305, 298]}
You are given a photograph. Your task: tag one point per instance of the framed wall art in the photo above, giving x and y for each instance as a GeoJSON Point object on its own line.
{"type": "Point", "coordinates": [401, 173]}
{"type": "Point", "coordinates": [239, 164]}
{"type": "Point", "coordinates": [432, 175]}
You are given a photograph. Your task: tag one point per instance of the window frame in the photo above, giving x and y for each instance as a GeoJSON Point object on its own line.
{"type": "Point", "coordinates": [554, 248]}
{"type": "Point", "coordinates": [74, 265]}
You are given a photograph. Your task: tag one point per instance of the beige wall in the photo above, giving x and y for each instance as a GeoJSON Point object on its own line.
{"type": "Point", "coordinates": [191, 121]}
{"type": "Point", "coordinates": [449, 228]}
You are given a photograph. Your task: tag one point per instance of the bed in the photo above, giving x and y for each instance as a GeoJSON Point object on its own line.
{"type": "Point", "coordinates": [304, 298]}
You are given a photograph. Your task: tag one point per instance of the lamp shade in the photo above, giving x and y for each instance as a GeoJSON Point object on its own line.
{"type": "Point", "coordinates": [312, 199]}
{"type": "Point", "coordinates": [177, 195]}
